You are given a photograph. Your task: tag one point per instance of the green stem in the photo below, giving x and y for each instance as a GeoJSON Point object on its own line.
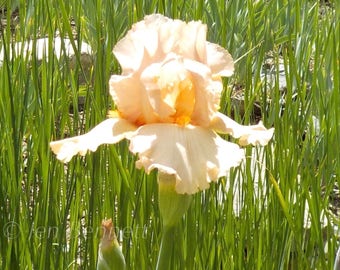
{"type": "Point", "coordinates": [166, 250]}
{"type": "Point", "coordinates": [172, 207]}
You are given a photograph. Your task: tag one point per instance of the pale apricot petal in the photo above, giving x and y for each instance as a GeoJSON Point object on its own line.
{"type": "Point", "coordinates": [196, 156]}
{"type": "Point", "coordinates": [169, 35]}
{"type": "Point", "coordinates": [109, 131]}
{"type": "Point", "coordinates": [129, 54]}
{"type": "Point", "coordinates": [207, 92]}
{"type": "Point", "coordinates": [254, 134]}
{"type": "Point", "coordinates": [131, 99]}
{"type": "Point", "coordinates": [141, 44]}
{"type": "Point", "coordinates": [151, 39]}
{"type": "Point", "coordinates": [164, 51]}
{"type": "Point", "coordinates": [150, 29]}
{"type": "Point", "coordinates": [219, 60]}
{"type": "Point", "coordinates": [193, 41]}
{"type": "Point", "coordinates": [201, 43]}
{"type": "Point", "coordinates": [185, 39]}
{"type": "Point", "coordinates": [170, 89]}
{"type": "Point", "coordinates": [156, 83]}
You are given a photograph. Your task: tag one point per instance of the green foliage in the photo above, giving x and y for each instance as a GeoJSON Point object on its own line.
{"type": "Point", "coordinates": [51, 212]}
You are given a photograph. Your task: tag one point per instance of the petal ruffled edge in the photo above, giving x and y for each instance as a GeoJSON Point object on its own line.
{"type": "Point", "coordinates": [195, 155]}
{"type": "Point", "coordinates": [219, 60]}
{"type": "Point", "coordinates": [253, 134]}
{"type": "Point", "coordinates": [109, 131]}
{"type": "Point", "coordinates": [131, 99]}
{"type": "Point", "coordinates": [207, 92]}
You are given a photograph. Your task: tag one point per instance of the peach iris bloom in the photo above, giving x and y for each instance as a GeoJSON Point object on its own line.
{"type": "Point", "coordinates": [167, 100]}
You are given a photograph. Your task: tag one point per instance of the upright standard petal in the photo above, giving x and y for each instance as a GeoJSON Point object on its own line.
{"type": "Point", "coordinates": [172, 74]}
{"type": "Point", "coordinates": [150, 40]}
{"type": "Point", "coordinates": [196, 156]}
{"type": "Point", "coordinates": [142, 44]}
{"type": "Point", "coordinates": [254, 134]}
{"type": "Point", "coordinates": [107, 132]}
{"type": "Point", "coordinates": [129, 54]}
{"type": "Point", "coordinates": [219, 60]}
{"type": "Point", "coordinates": [131, 99]}
{"type": "Point", "coordinates": [170, 89]}
{"type": "Point", "coordinates": [207, 92]}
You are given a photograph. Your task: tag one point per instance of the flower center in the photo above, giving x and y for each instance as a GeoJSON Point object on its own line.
{"type": "Point", "coordinates": [177, 91]}
{"type": "Point", "coordinates": [185, 102]}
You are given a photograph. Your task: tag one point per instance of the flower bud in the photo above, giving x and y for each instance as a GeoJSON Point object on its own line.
{"type": "Point", "coordinates": [110, 255]}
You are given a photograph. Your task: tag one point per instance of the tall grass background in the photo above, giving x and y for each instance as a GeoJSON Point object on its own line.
{"type": "Point", "coordinates": [50, 213]}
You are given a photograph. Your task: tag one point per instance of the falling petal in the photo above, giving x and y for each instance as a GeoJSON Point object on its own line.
{"type": "Point", "coordinates": [107, 132]}
{"type": "Point", "coordinates": [254, 134]}
{"type": "Point", "coordinates": [196, 156]}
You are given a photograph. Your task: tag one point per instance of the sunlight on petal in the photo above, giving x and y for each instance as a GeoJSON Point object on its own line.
{"type": "Point", "coordinates": [131, 99]}
{"type": "Point", "coordinates": [207, 92]}
{"type": "Point", "coordinates": [196, 156]}
{"type": "Point", "coordinates": [219, 60]}
{"type": "Point", "coordinates": [107, 132]}
{"type": "Point", "coordinates": [193, 40]}
{"type": "Point", "coordinates": [129, 54]}
{"type": "Point", "coordinates": [254, 134]}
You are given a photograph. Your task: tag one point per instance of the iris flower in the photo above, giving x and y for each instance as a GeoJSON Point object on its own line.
{"type": "Point", "coordinates": [167, 99]}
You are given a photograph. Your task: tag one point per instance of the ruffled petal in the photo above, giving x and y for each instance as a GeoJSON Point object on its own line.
{"type": "Point", "coordinates": [157, 79]}
{"type": "Point", "coordinates": [107, 132]}
{"type": "Point", "coordinates": [219, 60]}
{"type": "Point", "coordinates": [196, 156]}
{"type": "Point", "coordinates": [185, 39]}
{"type": "Point", "coordinates": [170, 88]}
{"type": "Point", "coordinates": [254, 134]}
{"type": "Point", "coordinates": [131, 99]}
{"type": "Point", "coordinates": [155, 55]}
{"type": "Point", "coordinates": [129, 53]}
{"type": "Point", "coordinates": [151, 39]}
{"type": "Point", "coordinates": [193, 40]}
{"type": "Point", "coordinates": [207, 92]}
{"type": "Point", "coordinates": [141, 44]}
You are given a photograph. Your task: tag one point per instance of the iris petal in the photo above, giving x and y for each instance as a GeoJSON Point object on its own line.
{"type": "Point", "coordinates": [107, 132]}
{"type": "Point", "coordinates": [131, 99]}
{"type": "Point", "coordinates": [255, 134]}
{"type": "Point", "coordinates": [219, 60]}
{"type": "Point", "coordinates": [196, 156]}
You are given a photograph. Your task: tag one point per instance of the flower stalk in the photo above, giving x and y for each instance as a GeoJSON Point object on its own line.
{"type": "Point", "coordinates": [166, 250]}
{"type": "Point", "coordinates": [172, 207]}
